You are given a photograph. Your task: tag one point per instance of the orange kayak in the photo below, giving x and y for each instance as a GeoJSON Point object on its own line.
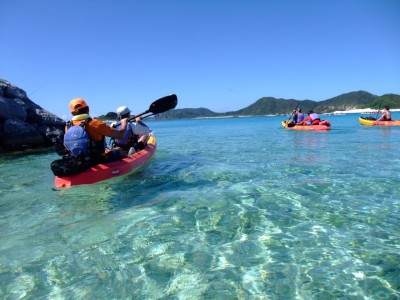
{"type": "Point", "coordinates": [306, 127]}
{"type": "Point", "coordinates": [110, 170]}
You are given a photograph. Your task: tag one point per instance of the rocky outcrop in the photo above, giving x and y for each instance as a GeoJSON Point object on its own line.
{"type": "Point", "coordinates": [24, 124]}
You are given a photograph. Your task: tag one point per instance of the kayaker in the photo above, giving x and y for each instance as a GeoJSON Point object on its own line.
{"type": "Point", "coordinates": [136, 135]}
{"type": "Point", "coordinates": [312, 117]}
{"type": "Point", "coordinates": [298, 117]}
{"type": "Point", "coordinates": [386, 115]}
{"type": "Point", "coordinates": [97, 131]}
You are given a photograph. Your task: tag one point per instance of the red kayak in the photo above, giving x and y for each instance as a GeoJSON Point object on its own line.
{"type": "Point", "coordinates": [110, 170]}
{"type": "Point", "coordinates": [320, 127]}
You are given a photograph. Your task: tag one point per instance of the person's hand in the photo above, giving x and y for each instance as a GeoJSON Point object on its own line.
{"type": "Point", "coordinates": [137, 119]}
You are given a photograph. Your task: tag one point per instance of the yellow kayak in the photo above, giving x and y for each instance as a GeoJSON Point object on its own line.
{"type": "Point", "coordinates": [367, 122]}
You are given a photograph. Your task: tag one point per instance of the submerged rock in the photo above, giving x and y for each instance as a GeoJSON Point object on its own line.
{"type": "Point", "coordinates": [24, 124]}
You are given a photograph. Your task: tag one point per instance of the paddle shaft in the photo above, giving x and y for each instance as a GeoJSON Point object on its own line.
{"type": "Point", "coordinates": [159, 106]}
{"type": "Point", "coordinates": [379, 109]}
{"type": "Point", "coordinates": [291, 116]}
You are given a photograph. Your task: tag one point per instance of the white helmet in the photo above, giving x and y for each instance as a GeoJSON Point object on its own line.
{"type": "Point", "coordinates": [122, 110]}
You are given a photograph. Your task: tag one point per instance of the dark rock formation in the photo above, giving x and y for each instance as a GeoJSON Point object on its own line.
{"type": "Point", "coordinates": [24, 124]}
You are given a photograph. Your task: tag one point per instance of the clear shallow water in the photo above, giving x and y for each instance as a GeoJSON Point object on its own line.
{"type": "Point", "coordinates": [226, 209]}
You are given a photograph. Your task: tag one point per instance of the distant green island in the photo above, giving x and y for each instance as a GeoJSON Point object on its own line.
{"type": "Point", "coordinates": [272, 106]}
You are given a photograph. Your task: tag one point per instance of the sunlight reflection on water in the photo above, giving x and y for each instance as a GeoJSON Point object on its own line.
{"type": "Point", "coordinates": [274, 214]}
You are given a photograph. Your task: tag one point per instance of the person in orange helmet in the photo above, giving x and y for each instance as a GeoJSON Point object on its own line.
{"type": "Point", "coordinates": [97, 131]}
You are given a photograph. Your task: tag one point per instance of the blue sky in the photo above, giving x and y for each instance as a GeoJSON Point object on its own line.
{"type": "Point", "coordinates": [219, 54]}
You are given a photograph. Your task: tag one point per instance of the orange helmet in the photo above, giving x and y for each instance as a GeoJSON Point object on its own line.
{"type": "Point", "coordinates": [77, 104]}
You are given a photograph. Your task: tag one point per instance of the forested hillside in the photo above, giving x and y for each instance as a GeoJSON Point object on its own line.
{"type": "Point", "coordinates": [274, 106]}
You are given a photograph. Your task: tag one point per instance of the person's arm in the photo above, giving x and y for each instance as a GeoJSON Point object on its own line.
{"type": "Point", "coordinates": [120, 132]}
{"type": "Point", "coordinates": [382, 116]}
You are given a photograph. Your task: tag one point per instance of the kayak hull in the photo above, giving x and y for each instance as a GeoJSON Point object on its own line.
{"type": "Point", "coordinates": [110, 170]}
{"type": "Point", "coordinates": [306, 127]}
{"type": "Point", "coordinates": [380, 123]}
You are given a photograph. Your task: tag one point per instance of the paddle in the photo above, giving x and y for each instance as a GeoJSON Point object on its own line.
{"type": "Point", "coordinates": [379, 109]}
{"type": "Point", "coordinates": [291, 116]}
{"type": "Point", "coordinates": [159, 106]}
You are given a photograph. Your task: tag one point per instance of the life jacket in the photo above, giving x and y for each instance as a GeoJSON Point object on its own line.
{"type": "Point", "coordinates": [314, 116]}
{"type": "Point", "coordinates": [300, 117]}
{"type": "Point", "coordinates": [81, 146]}
{"type": "Point", "coordinates": [127, 137]}
{"type": "Point", "coordinates": [129, 140]}
{"type": "Point", "coordinates": [315, 119]}
{"type": "Point", "coordinates": [77, 140]}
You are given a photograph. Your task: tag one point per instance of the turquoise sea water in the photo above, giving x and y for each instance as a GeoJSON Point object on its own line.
{"type": "Point", "coordinates": [234, 208]}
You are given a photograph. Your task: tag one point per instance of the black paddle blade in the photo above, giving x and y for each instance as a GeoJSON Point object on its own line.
{"type": "Point", "coordinates": [159, 106]}
{"type": "Point", "coordinates": [163, 104]}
